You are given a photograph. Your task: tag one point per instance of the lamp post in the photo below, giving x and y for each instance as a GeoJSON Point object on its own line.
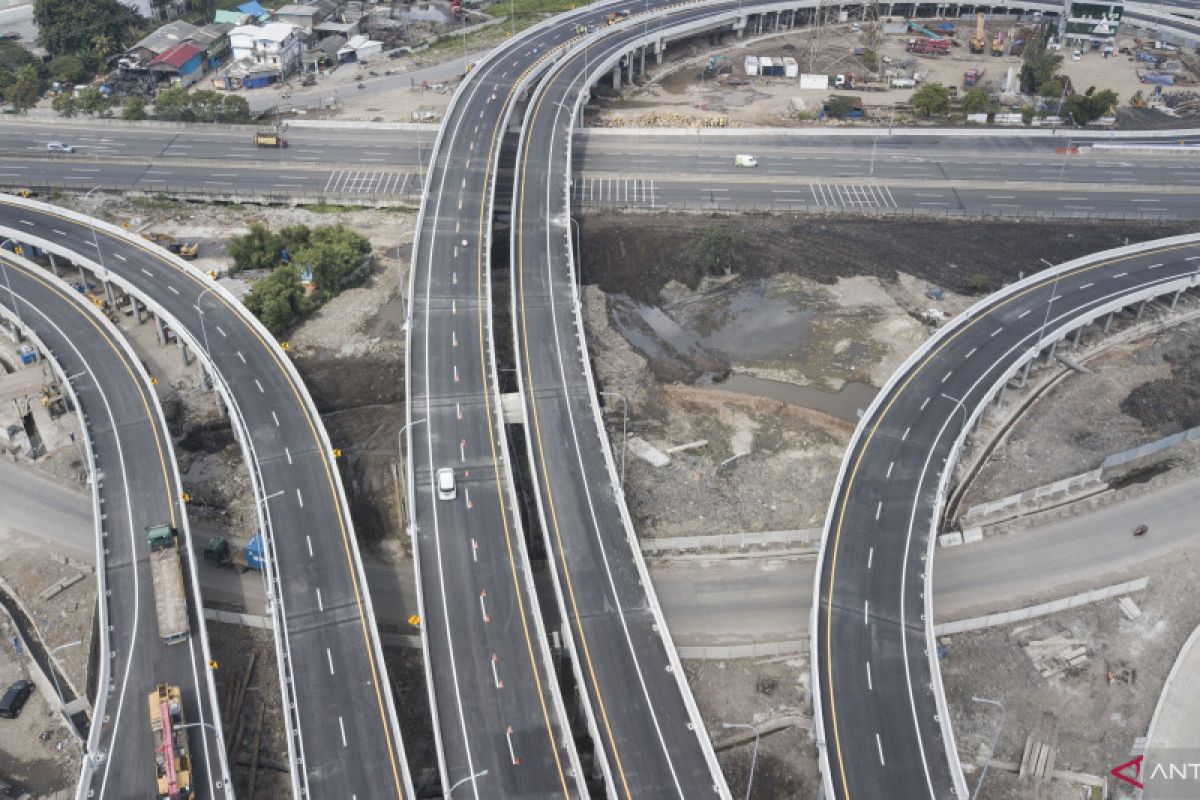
{"type": "Point", "coordinates": [1050, 302]}
{"type": "Point", "coordinates": [54, 672]}
{"type": "Point", "coordinates": [409, 494]}
{"type": "Point", "coordinates": [11, 298]}
{"type": "Point", "coordinates": [754, 757]}
{"type": "Point", "coordinates": [461, 781]}
{"type": "Point", "coordinates": [624, 430]}
{"type": "Point", "coordinates": [995, 738]}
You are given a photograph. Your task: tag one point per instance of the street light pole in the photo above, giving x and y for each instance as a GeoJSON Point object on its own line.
{"type": "Point", "coordinates": [995, 738]}
{"type": "Point", "coordinates": [1050, 302]}
{"type": "Point", "coordinates": [624, 431]}
{"type": "Point", "coordinates": [754, 757]}
{"type": "Point", "coordinates": [409, 490]}
{"type": "Point", "coordinates": [461, 781]}
{"type": "Point", "coordinates": [11, 298]}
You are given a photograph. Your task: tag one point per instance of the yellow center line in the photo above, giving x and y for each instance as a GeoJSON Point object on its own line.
{"type": "Point", "coordinates": [271, 348]}
{"type": "Point", "coordinates": [988, 314]}
{"type": "Point", "coordinates": [519, 214]}
{"type": "Point", "coordinates": [137, 383]}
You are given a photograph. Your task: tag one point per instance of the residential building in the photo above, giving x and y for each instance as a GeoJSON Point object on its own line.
{"type": "Point", "coordinates": [213, 39]}
{"type": "Point", "coordinates": [183, 64]}
{"type": "Point", "coordinates": [359, 48]}
{"type": "Point", "coordinates": [303, 16]}
{"type": "Point", "coordinates": [276, 45]}
{"type": "Point", "coordinates": [163, 39]}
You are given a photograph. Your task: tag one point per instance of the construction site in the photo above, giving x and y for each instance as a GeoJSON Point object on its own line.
{"type": "Point", "coordinates": [845, 72]}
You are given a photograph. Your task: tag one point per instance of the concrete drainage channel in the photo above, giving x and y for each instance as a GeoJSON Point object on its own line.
{"type": "Point", "coordinates": [46, 673]}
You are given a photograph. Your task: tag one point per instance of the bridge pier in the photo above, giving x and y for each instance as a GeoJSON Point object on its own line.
{"type": "Point", "coordinates": [184, 352]}
{"type": "Point", "coordinates": [1140, 311]}
{"type": "Point", "coordinates": [1108, 321]}
{"type": "Point", "coordinates": [642, 66]}
{"type": "Point", "coordinates": [1175, 298]}
{"type": "Point", "coordinates": [137, 309]}
{"type": "Point", "coordinates": [110, 294]}
{"type": "Point", "coordinates": [1025, 372]}
{"type": "Point", "coordinates": [616, 78]}
{"type": "Point", "coordinates": [159, 330]}
{"type": "Point", "coordinates": [629, 65]}
{"type": "Point", "coordinates": [1050, 352]}
{"type": "Point", "coordinates": [1076, 337]}
{"type": "Point", "coordinates": [54, 265]}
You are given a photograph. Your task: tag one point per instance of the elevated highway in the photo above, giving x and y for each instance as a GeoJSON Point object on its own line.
{"type": "Point", "coordinates": [338, 703]}
{"type": "Point", "coordinates": [135, 485]}
{"type": "Point", "coordinates": [882, 719]}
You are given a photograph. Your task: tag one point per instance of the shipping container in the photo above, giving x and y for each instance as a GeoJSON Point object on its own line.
{"type": "Point", "coordinates": [790, 68]}
{"type": "Point", "coordinates": [751, 65]}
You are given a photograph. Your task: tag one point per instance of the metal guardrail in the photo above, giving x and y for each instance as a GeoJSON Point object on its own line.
{"type": "Point", "coordinates": [1166, 443]}
{"type": "Point", "coordinates": [808, 210]}
{"type": "Point", "coordinates": [143, 378]}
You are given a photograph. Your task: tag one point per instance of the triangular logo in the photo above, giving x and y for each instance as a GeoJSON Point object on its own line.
{"type": "Point", "coordinates": [1118, 772]}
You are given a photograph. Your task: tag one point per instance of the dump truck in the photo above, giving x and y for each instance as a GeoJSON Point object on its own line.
{"type": "Point", "coordinates": [186, 251]}
{"type": "Point", "coordinates": [269, 139]}
{"type": "Point", "coordinates": [172, 762]}
{"type": "Point", "coordinates": [170, 599]}
{"type": "Point", "coordinates": [221, 552]}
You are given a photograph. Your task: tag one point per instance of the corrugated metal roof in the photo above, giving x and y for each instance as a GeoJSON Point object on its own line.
{"type": "Point", "coordinates": [177, 56]}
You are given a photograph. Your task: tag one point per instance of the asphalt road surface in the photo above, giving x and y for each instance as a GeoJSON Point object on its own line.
{"type": "Point", "coordinates": [880, 716]}
{"type": "Point", "coordinates": [138, 489]}
{"type": "Point", "coordinates": [343, 703]}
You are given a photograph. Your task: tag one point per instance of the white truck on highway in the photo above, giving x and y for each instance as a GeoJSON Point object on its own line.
{"type": "Point", "coordinates": [170, 599]}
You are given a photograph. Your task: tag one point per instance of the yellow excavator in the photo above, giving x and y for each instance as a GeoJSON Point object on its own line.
{"type": "Point", "coordinates": [976, 43]}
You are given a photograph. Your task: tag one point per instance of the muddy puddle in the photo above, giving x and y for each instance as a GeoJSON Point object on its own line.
{"type": "Point", "coordinates": [712, 337]}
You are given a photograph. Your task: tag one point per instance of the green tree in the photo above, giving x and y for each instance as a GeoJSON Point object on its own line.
{"type": "Point", "coordinates": [931, 99]}
{"type": "Point", "coordinates": [234, 109]}
{"type": "Point", "coordinates": [279, 300]}
{"type": "Point", "coordinates": [294, 236]}
{"type": "Point", "coordinates": [839, 105]}
{"type": "Point", "coordinates": [90, 101]}
{"type": "Point", "coordinates": [173, 105]}
{"type": "Point", "coordinates": [1084, 108]}
{"type": "Point", "coordinates": [64, 104]}
{"type": "Point", "coordinates": [13, 56]}
{"type": "Point", "coordinates": [976, 101]}
{"type": "Point", "coordinates": [1051, 89]}
{"type": "Point", "coordinates": [335, 256]}
{"type": "Point", "coordinates": [258, 249]}
{"type": "Point", "coordinates": [717, 251]}
{"type": "Point", "coordinates": [134, 109]}
{"type": "Point", "coordinates": [1039, 63]}
{"type": "Point", "coordinates": [25, 89]}
{"type": "Point", "coordinates": [66, 69]}
{"type": "Point", "coordinates": [72, 26]}
{"type": "Point", "coordinates": [103, 46]}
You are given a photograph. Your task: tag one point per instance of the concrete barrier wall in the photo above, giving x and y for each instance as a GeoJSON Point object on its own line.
{"type": "Point", "coordinates": [1041, 609]}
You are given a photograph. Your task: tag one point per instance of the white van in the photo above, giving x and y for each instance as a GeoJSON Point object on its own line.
{"type": "Point", "coordinates": [745, 161]}
{"type": "Point", "coordinates": [59, 147]}
{"type": "Point", "coordinates": [445, 484]}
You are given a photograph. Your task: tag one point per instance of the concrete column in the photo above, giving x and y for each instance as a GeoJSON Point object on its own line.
{"type": "Point", "coordinates": [1175, 298]}
{"type": "Point", "coordinates": [1076, 337]}
{"type": "Point", "coordinates": [642, 66]}
{"type": "Point", "coordinates": [1050, 352]}
{"type": "Point", "coordinates": [110, 294]}
{"type": "Point", "coordinates": [54, 265]}
{"type": "Point", "coordinates": [1108, 321]}
{"type": "Point", "coordinates": [777, 13]}
{"type": "Point", "coordinates": [158, 329]}
{"type": "Point", "coordinates": [221, 410]}
{"type": "Point", "coordinates": [183, 351]}
{"type": "Point", "coordinates": [658, 52]}
{"type": "Point", "coordinates": [1000, 395]}
{"type": "Point", "coordinates": [616, 78]}
{"type": "Point", "coordinates": [1025, 372]}
{"type": "Point", "coordinates": [741, 30]}
{"type": "Point", "coordinates": [629, 62]}
{"type": "Point", "coordinates": [137, 310]}
{"type": "Point", "coordinates": [1141, 309]}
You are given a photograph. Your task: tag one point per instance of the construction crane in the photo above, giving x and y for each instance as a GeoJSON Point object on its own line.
{"type": "Point", "coordinates": [172, 764]}
{"type": "Point", "coordinates": [976, 43]}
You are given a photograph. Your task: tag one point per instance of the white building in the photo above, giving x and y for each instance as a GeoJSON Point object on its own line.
{"type": "Point", "coordinates": [277, 45]}
{"type": "Point", "coordinates": [361, 49]}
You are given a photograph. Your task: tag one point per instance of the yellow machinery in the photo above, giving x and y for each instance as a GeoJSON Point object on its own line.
{"type": "Point", "coordinates": [976, 43]}
{"type": "Point", "coordinates": [172, 764]}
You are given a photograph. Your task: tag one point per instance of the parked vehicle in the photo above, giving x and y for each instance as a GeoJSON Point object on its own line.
{"type": "Point", "coordinates": [14, 699]}
{"type": "Point", "coordinates": [242, 558]}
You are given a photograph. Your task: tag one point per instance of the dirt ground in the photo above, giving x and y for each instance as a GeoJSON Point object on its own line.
{"type": "Point", "coordinates": [1096, 721]}
{"type": "Point", "coordinates": [756, 692]}
{"type": "Point", "coordinates": [37, 751]}
{"type": "Point", "coordinates": [681, 89]}
{"type": "Point", "coordinates": [1137, 393]}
